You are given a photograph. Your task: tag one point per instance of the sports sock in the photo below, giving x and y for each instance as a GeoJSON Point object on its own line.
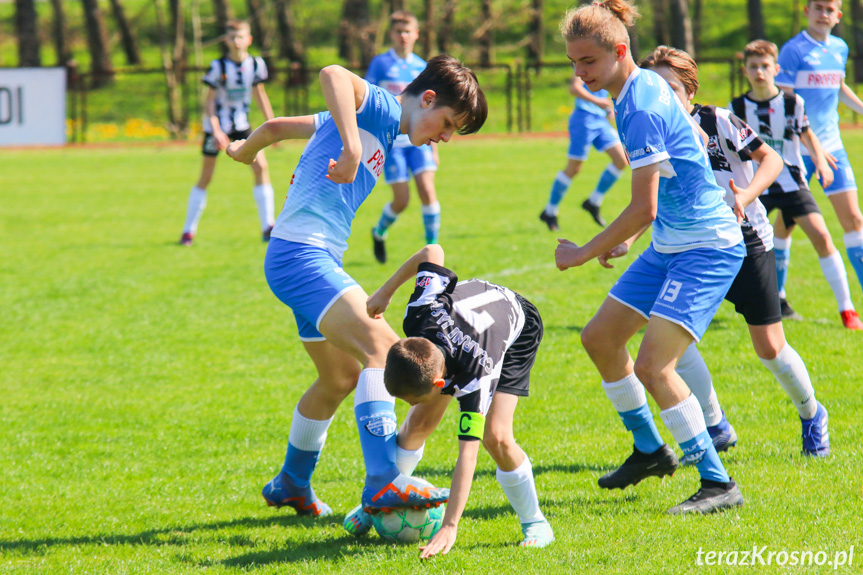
{"type": "Point", "coordinates": [520, 490]}
{"type": "Point", "coordinates": [388, 218]}
{"type": "Point", "coordinates": [834, 272]}
{"type": "Point", "coordinates": [376, 420]}
{"type": "Point", "coordinates": [608, 178]}
{"type": "Point", "coordinates": [782, 253]}
{"type": "Point", "coordinates": [264, 200]}
{"type": "Point", "coordinates": [628, 398]}
{"type": "Point", "coordinates": [854, 249]}
{"type": "Point", "coordinates": [791, 373]}
{"type": "Point", "coordinates": [694, 372]}
{"type": "Point", "coordinates": [558, 191]}
{"type": "Point", "coordinates": [197, 203]}
{"type": "Point", "coordinates": [431, 221]}
{"type": "Point", "coordinates": [305, 442]}
{"type": "Point", "coordinates": [407, 460]}
{"type": "Point", "coordinates": [686, 424]}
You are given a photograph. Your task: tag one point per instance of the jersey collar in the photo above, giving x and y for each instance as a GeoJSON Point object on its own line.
{"type": "Point", "coordinates": [407, 60]}
{"type": "Point", "coordinates": [628, 82]}
{"type": "Point", "coordinates": [816, 42]}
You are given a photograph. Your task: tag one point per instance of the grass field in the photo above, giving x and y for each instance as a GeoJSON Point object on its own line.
{"type": "Point", "coordinates": [148, 388]}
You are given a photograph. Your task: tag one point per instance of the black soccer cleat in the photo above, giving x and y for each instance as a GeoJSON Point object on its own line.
{"type": "Point", "coordinates": [550, 220]}
{"type": "Point", "coordinates": [380, 248]}
{"type": "Point", "coordinates": [594, 212]}
{"type": "Point", "coordinates": [640, 466]}
{"type": "Point", "coordinates": [713, 496]}
{"type": "Point", "coordinates": [788, 311]}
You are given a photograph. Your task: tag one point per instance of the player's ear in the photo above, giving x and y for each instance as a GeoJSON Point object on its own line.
{"type": "Point", "coordinates": [428, 98]}
{"type": "Point", "coordinates": [439, 383]}
{"type": "Point", "coordinates": [620, 51]}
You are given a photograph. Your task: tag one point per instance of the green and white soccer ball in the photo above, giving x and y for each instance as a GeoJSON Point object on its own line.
{"type": "Point", "coordinates": [409, 525]}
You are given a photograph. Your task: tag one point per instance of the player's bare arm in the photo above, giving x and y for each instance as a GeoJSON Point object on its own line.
{"type": "Point", "coordinates": [270, 132]}
{"type": "Point", "coordinates": [634, 219]}
{"type": "Point", "coordinates": [770, 165]}
{"type": "Point", "coordinates": [259, 93]}
{"type": "Point", "coordinates": [216, 126]}
{"type": "Point", "coordinates": [850, 99]}
{"type": "Point", "coordinates": [380, 300]}
{"type": "Point", "coordinates": [462, 479]}
{"type": "Point", "coordinates": [578, 90]}
{"type": "Point", "coordinates": [823, 160]}
{"type": "Point", "coordinates": [343, 92]}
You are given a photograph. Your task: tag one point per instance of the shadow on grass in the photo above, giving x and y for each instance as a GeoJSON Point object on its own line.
{"type": "Point", "coordinates": [167, 536]}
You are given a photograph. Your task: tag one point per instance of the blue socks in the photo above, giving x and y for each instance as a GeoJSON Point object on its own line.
{"type": "Point", "coordinates": [388, 218]}
{"type": "Point", "coordinates": [628, 398]}
{"type": "Point", "coordinates": [305, 443]}
{"type": "Point", "coordinates": [431, 221]}
{"type": "Point", "coordinates": [608, 178]}
{"type": "Point", "coordinates": [686, 423]}
{"type": "Point", "coordinates": [854, 249]}
{"type": "Point", "coordinates": [377, 424]}
{"type": "Point", "coordinates": [558, 190]}
{"type": "Point", "coordinates": [782, 253]}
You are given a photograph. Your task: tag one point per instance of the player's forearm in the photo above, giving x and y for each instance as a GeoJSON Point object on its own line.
{"type": "Point", "coordinates": [341, 99]}
{"type": "Point", "coordinates": [850, 99]}
{"type": "Point", "coordinates": [210, 112]}
{"type": "Point", "coordinates": [432, 253]}
{"type": "Point", "coordinates": [263, 102]}
{"type": "Point", "coordinates": [813, 144]}
{"type": "Point", "coordinates": [462, 479]}
{"type": "Point", "coordinates": [770, 165]}
{"type": "Point", "coordinates": [633, 220]}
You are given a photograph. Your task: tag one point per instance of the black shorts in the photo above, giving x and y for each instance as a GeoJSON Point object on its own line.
{"type": "Point", "coordinates": [791, 204]}
{"type": "Point", "coordinates": [519, 358]}
{"type": "Point", "coordinates": [211, 149]}
{"type": "Point", "coordinates": [755, 291]}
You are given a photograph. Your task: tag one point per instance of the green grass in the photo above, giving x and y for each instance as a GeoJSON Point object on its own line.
{"type": "Point", "coordinates": [148, 389]}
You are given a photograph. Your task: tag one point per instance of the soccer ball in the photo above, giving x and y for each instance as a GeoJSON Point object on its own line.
{"type": "Point", "coordinates": [409, 525]}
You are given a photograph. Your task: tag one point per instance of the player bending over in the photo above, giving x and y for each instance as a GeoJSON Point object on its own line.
{"type": "Point", "coordinates": [303, 265]}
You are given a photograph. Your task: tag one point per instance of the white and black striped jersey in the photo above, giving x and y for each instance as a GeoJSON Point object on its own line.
{"type": "Point", "coordinates": [730, 145]}
{"type": "Point", "coordinates": [473, 322]}
{"type": "Point", "coordinates": [779, 121]}
{"type": "Point", "coordinates": [233, 82]}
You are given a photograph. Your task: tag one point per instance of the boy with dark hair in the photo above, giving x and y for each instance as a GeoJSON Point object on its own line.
{"type": "Point", "coordinates": [233, 80]}
{"type": "Point", "coordinates": [304, 270]}
{"type": "Point", "coordinates": [477, 342]}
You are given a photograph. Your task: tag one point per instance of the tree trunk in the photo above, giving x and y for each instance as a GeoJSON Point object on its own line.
{"type": "Point", "coordinates": [681, 26]}
{"type": "Point", "coordinates": [756, 20]}
{"type": "Point", "coordinates": [485, 34]}
{"type": "Point", "coordinates": [795, 19]}
{"type": "Point", "coordinates": [697, 14]}
{"type": "Point", "coordinates": [660, 22]}
{"type": "Point", "coordinates": [174, 96]}
{"type": "Point", "coordinates": [857, 19]}
{"type": "Point", "coordinates": [27, 28]}
{"type": "Point", "coordinates": [259, 21]}
{"type": "Point", "coordinates": [127, 36]}
{"type": "Point", "coordinates": [223, 14]}
{"type": "Point", "coordinates": [59, 34]}
{"type": "Point", "coordinates": [290, 46]}
{"type": "Point", "coordinates": [355, 37]}
{"type": "Point", "coordinates": [444, 39]}
{"type": "Point", "coordinates": [430, 28]}
{"type": "Point", "coordinates": [97, 41]}
{"type": "Point", "coordinates": [536, 33]}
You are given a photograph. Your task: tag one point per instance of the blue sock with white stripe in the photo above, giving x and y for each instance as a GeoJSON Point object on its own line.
{"type": "Point", "coordinates": [608, 178]}
{"type": "Point", "coordinates": [854, 249]}
{"type": "Point", "coordinates": [388, 218]}
{"type": "Point", "coordinates": [431, 221]}
{"type": "Point", "coordinates": [376, 420]}
{"type": "Point", "coordinates": [558, 191]}
{"type": "Point", "coordinates": [628, 398]}
{"type": "Point", "coordinates": [686, 423]}
{"type": "Point", "coordinates": [305, 443]}
{"type": "Point", "coordinates": [782, 253]}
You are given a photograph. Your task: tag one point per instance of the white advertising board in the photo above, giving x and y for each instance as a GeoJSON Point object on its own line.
{"type": "Point", "coordinates": [32, 106]}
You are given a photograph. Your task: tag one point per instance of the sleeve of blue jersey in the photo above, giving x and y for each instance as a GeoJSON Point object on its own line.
{"type": "Point", "coordinates": [645, 133]}
{"type": "Point", "coordinates": [788, 63]}
{"type": "Point", "coordinates": [379, 111]}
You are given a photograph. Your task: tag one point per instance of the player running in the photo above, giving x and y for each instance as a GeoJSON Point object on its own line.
{"type": "Point", "coordinates": [303, 265]}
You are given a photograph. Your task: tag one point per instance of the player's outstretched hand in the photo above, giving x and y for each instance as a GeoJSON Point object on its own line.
{"type": "Point", "coordinates": [617, 251]}
{"type": "Point", "coordinates": [441, 543]}
{"type": "Point", "coordinates": [738, 203]}
{"type": "Point", "coordinates": [377, 304]}
{"type": "Point", "coordinates": [344, 170]}
{"type": "Point", "coordinates": [568, 255]}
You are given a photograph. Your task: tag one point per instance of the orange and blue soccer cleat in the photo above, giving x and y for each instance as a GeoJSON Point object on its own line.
{"type": "Point", "coordinates": [282, 491]}
{"type": "Point", "coordinates": [403, 492]}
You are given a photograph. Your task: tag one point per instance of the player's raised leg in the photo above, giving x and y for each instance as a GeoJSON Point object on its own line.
{"type": "Point", "coordinates": [559, 187]}
{"type": "Point", "coordinates": [430, 205]}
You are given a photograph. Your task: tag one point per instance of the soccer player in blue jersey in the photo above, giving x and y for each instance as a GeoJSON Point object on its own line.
{"type": "Point", "coordinates": [588, 125]}
{"type": "Point", "coordinates": [393, 71]}
{"type": "Point", "coordinates": [676, 285]}
{"type": "Point", "coordinates": [812, 64]}
{"type": "Point", "coordinates": [233, 80]}
{"type": "Point", "coordinates": [348, 146]}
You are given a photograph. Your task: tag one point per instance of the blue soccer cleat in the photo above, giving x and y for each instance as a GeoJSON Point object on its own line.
{"type": "Point", "coordinates": [816, 439]}
{"type": "Point", "coordinates": [722, 434]}
{"type": "Point", "coordinates": [403, 492]}
{"type": "Point", "coordinates": [357, 522]}
{"type": "Point", "coordinates": [282, 491]}
{"type": "Point", "coordinates": [537, 534]}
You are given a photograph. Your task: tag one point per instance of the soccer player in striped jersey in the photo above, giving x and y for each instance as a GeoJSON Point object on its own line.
{"type": "Point", "coordinates": [588, 125]}
{"type": "Point", "coordinates": [812, 64]}
{"type": "Point", "coordinates": [234, 80]}
{"type": "Point", "coordinates": [304, 270]}
{"type": "Point", "coordinates": [780, 119]}
{"type": "Point", "coordinates": [393, 71]}
{"type": "Point", "coordinates": [676, 285]}
{"type": "Point", "coordinates": [477, 342]}
{"type": "Point", "coordinates": [733, 148]}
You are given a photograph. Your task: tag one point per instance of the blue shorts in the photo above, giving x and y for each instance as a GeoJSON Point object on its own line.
{"type": "Point", "coordinates": [685, 288]}
{"type": "Point", "coordinates": [402, 162]}
{"type": "Point", "coordinates": [307, 279]}
{"type": "Point", "coordinates": [843, 175]}
{"type": "Point", "coordinates": [586, 129]}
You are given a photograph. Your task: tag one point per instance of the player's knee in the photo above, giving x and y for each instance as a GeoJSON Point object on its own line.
{"type": "Point", "coordinates": [593, 339]}
{"type": "Point", "coordinates": [649, 373]}
{"type": "Point", "coordinates": [497, 441]}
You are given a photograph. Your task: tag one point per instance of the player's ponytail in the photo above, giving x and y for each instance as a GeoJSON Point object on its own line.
{"type": "Point", "coordinates": [604, 22]}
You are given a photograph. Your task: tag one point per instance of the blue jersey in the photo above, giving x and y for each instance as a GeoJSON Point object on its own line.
{"type": "Point", "coordinates": [816, 71]}
{"type": "Point", "coordinates": [393, 74]}
{"type": "Point", "coordinates": [318, 211]}
{"type": "Point", "coordinates": [654, 128]}
{"type": "Point", "coordinates": [590, 107]}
